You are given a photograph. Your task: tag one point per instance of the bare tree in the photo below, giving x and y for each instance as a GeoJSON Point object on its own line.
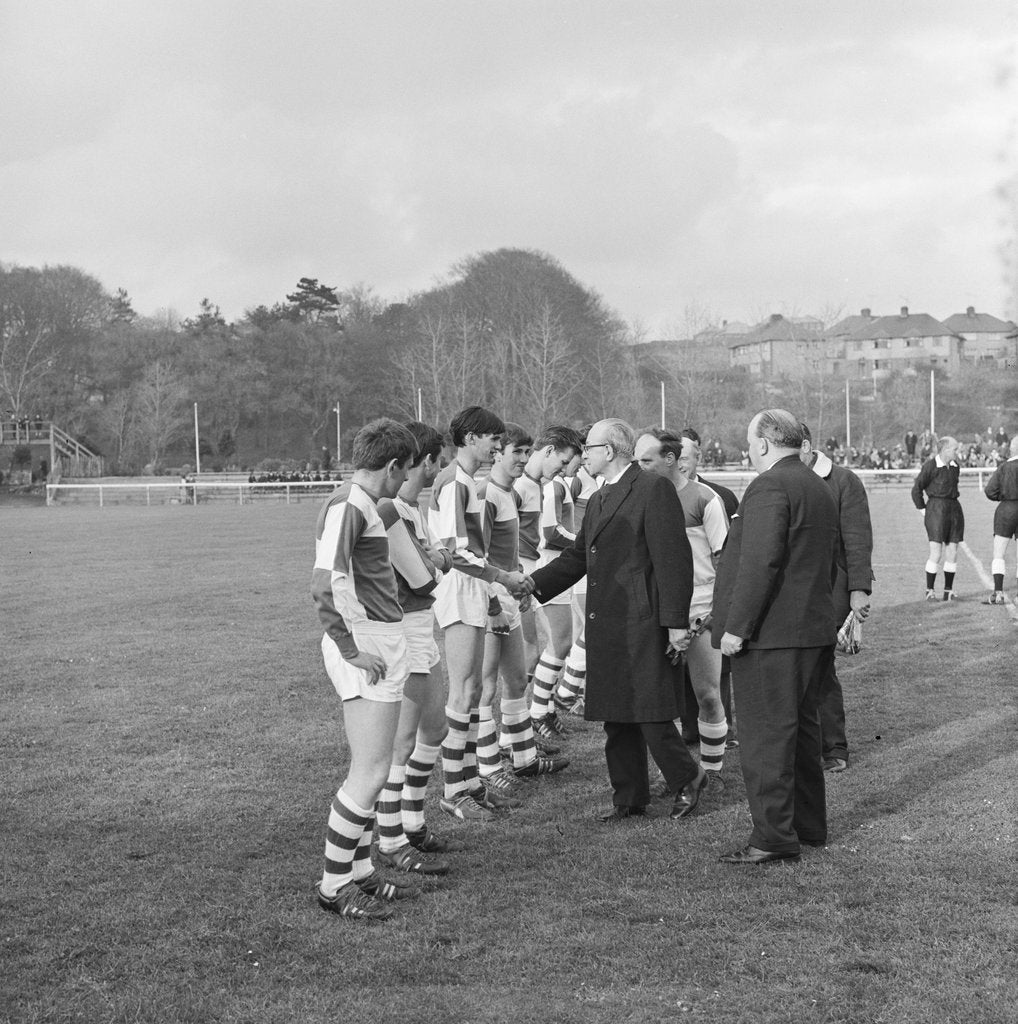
{"type": "Point", "coordinates": [160, 401]}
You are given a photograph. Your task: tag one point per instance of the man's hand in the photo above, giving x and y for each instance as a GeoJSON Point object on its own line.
{"type": "Point", "coordinates": [372, 664]}
{"type": "Point", "coordinates": [860, 603]}
{"type": "Point", "coordinates": [440, 557]}
{"type": "Point", "coordinates": [731, 644]}
{"type": "Point", "coordinates": [499, 623]}
{"type": "Point", "coordinates": [518, 584]}
{"type": "Point", "coordinates": [678, 641]}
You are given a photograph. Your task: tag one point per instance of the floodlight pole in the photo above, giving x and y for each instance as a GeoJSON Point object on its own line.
{"type": "Point", "coordinates": [848, 417]}
{"type": "Point", "coordinates": [420, 407]}
{"type": "Point", "coordinates": [197, 452]}
{"type": "Point", "coordinates": [933, 417]}
{"type": "Point", "coordinates": [662, 405]}
{"type": "Point", "coordinates": [339, 435]}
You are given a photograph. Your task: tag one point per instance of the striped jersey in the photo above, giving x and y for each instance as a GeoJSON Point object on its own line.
{"type": "Point", "coordinates": [352, 580]}
{"type": "Point", "coordinates": [455, 517]}
{"type": "Point", "coordinates": [501, 524]}
{"type": "Point", "coordinates": [529, 491]}
{"type": "Point", "coordinates": [407, 530]}
{"type": "Point", "coordinates": [583, 487]}
{"type": "Point", "coordinates": [557, 521]}
{"type": "Point", "coordinates": [707, 530]}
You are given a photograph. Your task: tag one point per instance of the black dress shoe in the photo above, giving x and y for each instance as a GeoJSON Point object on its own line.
{"type": "Point", "coordinates": [689, 796]}
{"type": "Point", "coordinates": [621, 813]}
{"type": "Point", "coordinates": [751, 855]}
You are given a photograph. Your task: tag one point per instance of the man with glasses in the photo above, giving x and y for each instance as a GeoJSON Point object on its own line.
{"type": "Point", "coordinates": [633, 548]}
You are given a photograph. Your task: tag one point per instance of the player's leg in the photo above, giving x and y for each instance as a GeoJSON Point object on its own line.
{"type": "Point", "coordinates": [559, 621]}
{"type": "Point", "coordinates": [569, 695]}
{"type": "Point", "coordinates": [489, 758]}
{"type": "Point", "coordinates": [705, 674]}
{"type": "Point", "coordinates": [950, 568]}
{"type": "Point", "coordinates": [933, 567]}
{"type": "Point", "coordinates": [998, 567]}
{"type": "Point", "coordinates": [370, 727]}
{"type": "Point", "coordinates": [527, 761]}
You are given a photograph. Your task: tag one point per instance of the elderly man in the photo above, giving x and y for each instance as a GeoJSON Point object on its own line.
{"type": "Point", "coordinates": [633, 549]}
{"type": "Point", "coordinates": [852, 585]}
{"type": "Point", "coordinates": [774, 616]}
{"type": "Point", "coordinates": [935, 494]}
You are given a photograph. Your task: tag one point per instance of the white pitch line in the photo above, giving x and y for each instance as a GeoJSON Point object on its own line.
{"type": "Point", "coordinates": [987, 581]}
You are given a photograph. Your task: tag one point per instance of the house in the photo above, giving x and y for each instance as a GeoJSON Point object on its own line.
{"type": "Point", "coordinates": [781, 345]}
{"type": "Point", "coordinates": [986, 337]}
{"type": "Point", "coordinates": [905, 343]}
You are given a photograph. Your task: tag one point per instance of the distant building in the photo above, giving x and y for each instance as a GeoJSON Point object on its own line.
{"type": "Point", "coordinates": [988, 340]}
{"type": "Point", "coordinates": [781, 345]}
{"type": "Point", "coordinates": [904, 343]}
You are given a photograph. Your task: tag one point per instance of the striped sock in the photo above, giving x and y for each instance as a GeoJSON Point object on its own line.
{"type": "Point", "coordinates": [519, 731]}
{"type": "Point", "coordinates": [489, 760]}
{"type": "Point", "coordinates": [347, 822]}
{"type": "Point", "coordinates": [574, 675]}
{"type": "Point", "coordinates": [470, 750]}
{"type": "Point", "coordinates": [418, 771]}
{"type": "Point", "coordinates": [547, 671]}
{"type": "Point", "coordinates": [712, 744]}
{"type": "Point", "coordinates": [388, 811]}
{"type": "Point", "coordinates": [452, 753]}
{"type": "Point", "coordinates": [362, 866]}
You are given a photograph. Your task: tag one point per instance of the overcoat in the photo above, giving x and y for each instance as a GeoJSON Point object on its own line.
{"type": "Point", "coordinates": [633, 548]}
{"type": "Point", "coordinates": [781, 593]}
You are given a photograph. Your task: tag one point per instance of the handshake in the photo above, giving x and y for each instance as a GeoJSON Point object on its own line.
{"type": "Point", "coordinates": [519, 584]}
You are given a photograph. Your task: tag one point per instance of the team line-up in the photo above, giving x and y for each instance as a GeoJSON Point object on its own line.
{"type": "Point", "coordinates": [688, 602]}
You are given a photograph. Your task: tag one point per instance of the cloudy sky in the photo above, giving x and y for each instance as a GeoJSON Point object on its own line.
{"type": "Point", "coordinates": [733, 158]}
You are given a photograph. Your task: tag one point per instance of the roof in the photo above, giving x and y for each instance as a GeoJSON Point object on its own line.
{"type": "Point", "coordinates": [851, 323]}
{"type": "Point", "coordinates": [779, 328]}
{"type": "Point", "coordinates": [971, 322]}
{"type": "Point", "coordinates": [902, 325]}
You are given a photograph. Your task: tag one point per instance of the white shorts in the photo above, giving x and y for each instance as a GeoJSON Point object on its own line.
{"type": "Point", "coordinates": [387, 640]}
{"type": "Point", "coordinates": [580, 587]}
{"type": "Point", "coordinates": [422, 651]}
{"type": "Point", "coordinates": [461, 598]}
{"type": "Point", "coordinates": [510, 606]}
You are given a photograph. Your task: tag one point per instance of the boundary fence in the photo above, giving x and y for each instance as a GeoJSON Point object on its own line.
{"type": "Point", "coordinates": [241, 492]}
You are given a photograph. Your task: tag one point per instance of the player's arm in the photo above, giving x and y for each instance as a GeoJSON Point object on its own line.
{"type": "Point", "coordinates": [922, 481]}
{"type": "Point", "coordinates": [331, 584]}
{"type": "Point", "coordinates": [715, 525]}
{"type": "Point", "coordinates": [407, 556]}
{"type": "Point", "coordinates": [554, 535]}
{"type": "Point", "coordinates": [992, 488]}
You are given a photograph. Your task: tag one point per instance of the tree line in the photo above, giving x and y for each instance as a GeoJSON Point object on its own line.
{"type": "Point", "coordinates": [510, 329]}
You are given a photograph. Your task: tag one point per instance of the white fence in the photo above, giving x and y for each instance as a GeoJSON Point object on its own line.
{"type": "Point", "coordinates": [197, 492]}
{"type": "Point", "coordinates": [240, 492]}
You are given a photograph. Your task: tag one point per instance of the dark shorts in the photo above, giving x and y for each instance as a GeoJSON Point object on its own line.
{"type": "Point", "coordinates": [945, 521]}
{"type": "Point", "coordinates": [1005, 519]}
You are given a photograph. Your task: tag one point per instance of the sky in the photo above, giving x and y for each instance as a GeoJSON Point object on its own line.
{"type": "Point", "coordinates": [691, 162]}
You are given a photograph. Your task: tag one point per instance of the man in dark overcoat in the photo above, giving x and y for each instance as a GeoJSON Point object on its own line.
{"type": "Point", "coordinates": [633, 549]}
{"type": "Point", "coordinates": [774, 616]}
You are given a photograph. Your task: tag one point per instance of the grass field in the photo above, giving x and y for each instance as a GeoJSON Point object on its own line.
{"type": "Point", "coordinates": [170, 747]}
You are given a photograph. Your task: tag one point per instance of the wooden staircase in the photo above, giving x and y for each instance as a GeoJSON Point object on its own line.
{"type": "Point", "coordinates": [67, 455]}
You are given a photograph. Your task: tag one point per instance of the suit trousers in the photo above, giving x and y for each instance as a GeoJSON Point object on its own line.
{"type": "Point", "coordinates": [832, 715]}
{"type": "Point", "coordinates": [625, 749]}
{"type": "Point", "coordinates": [777, 693]}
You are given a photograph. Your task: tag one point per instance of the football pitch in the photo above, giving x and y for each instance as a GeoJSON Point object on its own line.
{"type": "Point", "coordinates": [171, 745]}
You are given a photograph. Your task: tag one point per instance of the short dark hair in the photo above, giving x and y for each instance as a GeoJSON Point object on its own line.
{"type": "Point", "coordinates": [474, 419]}
{"type": "Point", "coordinates": [671, 443]}
{"type": "Point", "coordinates": [429, 441]}
{"type": "Point", "coordinates": [379, 442]}
{"type": "Point", "coordinates": [514, 435]}
{"type": "Point", "coordinates": [560, 438]}
{"type": "Point", "coordinates": [806, 435]}
{"type": "Point", "coordinates": [691, 434]}
{"type": "Point", "coordinates": [780, 428]}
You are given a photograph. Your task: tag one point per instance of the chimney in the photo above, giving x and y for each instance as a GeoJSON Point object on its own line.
{"type": "Point", "coordinates": [775, 317]}
{"type": "Point", "coordinates": [865, 312]}
{"type": "Point", "coordinates": [971, 311]}
{"type": "Point", "coordinates": [904, 310]}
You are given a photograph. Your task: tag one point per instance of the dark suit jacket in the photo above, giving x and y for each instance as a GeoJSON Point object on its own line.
{"type": "Point", "coordinates": [774, 586]}
{"type": "Point", "coordinates": [633, 548]}
{"type": "Point", "coordinates": [855, 532]}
